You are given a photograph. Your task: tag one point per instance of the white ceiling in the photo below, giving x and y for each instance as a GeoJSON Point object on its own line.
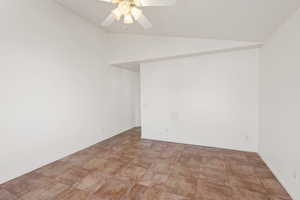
{"type": "Point", "coordinates": [247, 20]}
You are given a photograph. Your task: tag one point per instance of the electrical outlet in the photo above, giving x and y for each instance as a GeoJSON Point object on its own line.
{"type": "Point", "coordinates": [247, 138]}
{"type": "Point", "coordinates": [295, 175]}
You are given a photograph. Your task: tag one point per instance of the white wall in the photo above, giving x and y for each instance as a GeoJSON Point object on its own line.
{"type": "Point", "coordinates": [57, 92]}
{"type": "Point", "coordinates": [140, 48]}
{"type": "Point", "coordinates": [137, 101]}
{"type": "Point", "coordinates": [280, 104]}
{"type": "Point", "coordinates": [209, 100]}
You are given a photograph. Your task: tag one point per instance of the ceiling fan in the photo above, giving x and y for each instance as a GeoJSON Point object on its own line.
{"type": "Point", "coordinates": [130, 11]}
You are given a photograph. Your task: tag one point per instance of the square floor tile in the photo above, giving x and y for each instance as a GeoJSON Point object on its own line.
{"type": "Point", "coordinates": [5, 195]}
{"type": "Point", "coordinates": [72, 175]}
{"type": "Point", "coordinates": [91, 182]}
{"type": "Point", "coordinates": [151, 178]}
{"type": "Point", "coordinates": [181, 185]}
{"type": "Point", "coordinates": [210, 191]}
{"type": "Point", "coordinates": [113, 189]}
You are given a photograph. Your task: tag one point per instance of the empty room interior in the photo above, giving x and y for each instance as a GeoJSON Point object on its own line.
{"type": "Point", "coordinates": [150, 100]}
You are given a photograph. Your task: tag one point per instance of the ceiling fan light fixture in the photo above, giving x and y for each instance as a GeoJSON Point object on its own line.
{"type": "Point", "coordinates": [136, 13]}
{"type": "Point", "coordinates": [124, 7]}
{"type": "Point", "coordinates": [137, 2]}
{"type": "Point", "coordinates": [117, 13]}
{"type": "Point", "coordinates": [128, 19]}
{"type": "Point", "coordinates": [130, 11]}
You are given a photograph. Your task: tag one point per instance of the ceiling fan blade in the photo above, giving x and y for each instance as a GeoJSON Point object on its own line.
{"type": "Point", "coordinates": [142, 20]}
{"type": "Point", "coordinates": [108, 1]}
{"type": "Point", "coordinates": [144, 3]}
{"type": "Point", "coordinates": [109, 20]}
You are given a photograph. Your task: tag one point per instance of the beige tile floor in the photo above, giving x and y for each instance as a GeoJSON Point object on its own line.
{"type": "Point", "coordinates": [126, 167]}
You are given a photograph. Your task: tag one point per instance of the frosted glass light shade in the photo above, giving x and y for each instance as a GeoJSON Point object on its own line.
{"type": "Point", "coordinates": [128, 19]}
{"type": "Point", "coordinates": [137, 2]}
{"type": "Point", "coordinates": [136, 13]}
{"type": "Point", "coordinates": [117, 13]}
{"type": "Point", "coordinates": [124, 7]}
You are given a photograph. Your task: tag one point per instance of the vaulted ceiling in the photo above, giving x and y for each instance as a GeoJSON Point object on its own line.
{"type": "Point", "coordinates": [246, 20]}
